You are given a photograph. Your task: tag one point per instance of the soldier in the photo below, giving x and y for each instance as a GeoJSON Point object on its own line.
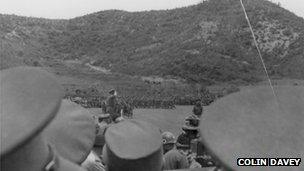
{"type": "Point", "coordinates": [198, 109]}
{"type": "Point", "coordinates": [127, 110]}
{"type": "Point", "coordinates": [173, 158]}
{"type": "Point", "coordinates": [168, 141]}
{"type": "Point", "coordinates": [104, 121]}
{"type": "Point", "coordinates": [113, 105]}
{"type": "Point", "coordinates": [30, 140]}
{"type": "Point", "coordinates": [190, 132]}
{"type": "Point", "coordinates": [103, 107]}
{"type": "Point", "coordinates": [94, 160]}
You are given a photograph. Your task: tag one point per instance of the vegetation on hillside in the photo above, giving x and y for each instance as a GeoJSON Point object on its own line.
{"type": "Point", "coordinates": [208, 43]}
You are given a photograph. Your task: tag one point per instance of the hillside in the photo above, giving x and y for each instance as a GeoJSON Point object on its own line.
{"type": "Point", "coordinates": [208, 43]}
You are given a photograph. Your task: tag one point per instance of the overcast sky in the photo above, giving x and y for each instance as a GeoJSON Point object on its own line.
{"type": "Point", "coordinates": [73, 8]}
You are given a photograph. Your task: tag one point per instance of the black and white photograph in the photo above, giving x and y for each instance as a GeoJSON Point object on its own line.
{"type": "Point", "coordinates": [152, 85]}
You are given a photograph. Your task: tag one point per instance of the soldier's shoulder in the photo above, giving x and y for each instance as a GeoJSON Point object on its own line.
{"type": "Point", "coordinates": [173, 153]}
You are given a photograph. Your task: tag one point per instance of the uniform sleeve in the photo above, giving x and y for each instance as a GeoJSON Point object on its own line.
{"type": "Point", "coordinates": [93, 163]}
{"type": "Point", "coordinates": [94, 166]}
{"type": "Point", "coordinates": [194, 164]}
{"type": "Point", "coordinates": [183, 162]}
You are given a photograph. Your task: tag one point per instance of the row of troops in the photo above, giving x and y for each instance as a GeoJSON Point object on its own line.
{"type": "Point", "coordinates": [131, 102]}
{"type": "Point", "coordinates": [134, 102]}
{"type": "Point", "coordinates": [42, 132]}
{"type": "Point", "coordinates": [118, 109]}
{"type": "Point", "coordinates": [124, 102]}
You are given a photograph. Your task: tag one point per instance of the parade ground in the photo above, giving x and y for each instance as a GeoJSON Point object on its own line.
{"type": "Point", "coordinates": [166, 119]}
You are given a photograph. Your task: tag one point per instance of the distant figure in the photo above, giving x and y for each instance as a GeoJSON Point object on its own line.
{"type": "Point", "coordinates": [103, 107]}
{"type": "Point", "coordinates": [173, 158]}
{"type": "Point", "coordinates": [127, 109]}
{"type": "Point", "coordinates": [198, 109]}
{"type": "Point", "coordinates": [112, 105]}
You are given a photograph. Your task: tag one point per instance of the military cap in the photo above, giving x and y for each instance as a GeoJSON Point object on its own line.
{"type": "Point", "coordinates": [112, 91]}
{"type": "Point", "coordinates": [119, 119]}
{"type": "Point", "coordinates": [103, 116]}
{"type": "Point", "coordinates": [133, 145]}
{"type": "Point", "coordinates": [72, 132]}
{"type": "Point", "coordinates": [30, 99]}
{"type": "Point", "coordinates": [168, 138]}
{"type": "Point", "coordinates": [255, 123]}
{"type": "Point", "coordinates": [191, 123]}
{"type": "Point", "coordinates": [181, 144]}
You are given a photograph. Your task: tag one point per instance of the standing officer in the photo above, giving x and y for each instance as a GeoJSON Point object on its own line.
{"type": "Point", "coordinates": [113, 105]}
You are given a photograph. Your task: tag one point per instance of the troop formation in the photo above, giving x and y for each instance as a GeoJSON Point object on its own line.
{"type": "Point", "coordinates": [42, 132]}
{"type": "Point", "coordinates": [126, 101]}
{"type": "Point", "coordinates": [150, 101]}
{"type": "Point", "coordinates": [112, 105]}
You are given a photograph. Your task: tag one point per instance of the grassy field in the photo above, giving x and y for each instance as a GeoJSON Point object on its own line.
{"type": "Point", "coordinates": [165, 119]}
{"type": "Point", "coordinates": [172, 119]}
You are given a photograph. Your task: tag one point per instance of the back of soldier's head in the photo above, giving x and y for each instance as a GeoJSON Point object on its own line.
{"type": "Point", "coordinates": [133, 145]}
{"type": "Point", "coordinates": [256, 123]}
{"type": "Point", "coordinates": [35, 134]}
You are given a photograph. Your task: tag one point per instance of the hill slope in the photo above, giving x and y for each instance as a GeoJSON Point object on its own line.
{"type": "Point", "coordinates": [207, 43]}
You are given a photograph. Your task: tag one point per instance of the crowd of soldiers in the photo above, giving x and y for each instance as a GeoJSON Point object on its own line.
{"type": "Point", "coordinates": [143, 102]}
{"type": "Point", "coordinates": [87, 102]}
{"type": "Point", "coordinates": [186, 151]}
{"type": "Point", "coordinates": [97, 100]}
{"type": "Point", "coordinates": [40, 131]}
{"type": "Point", "coordinates": [110, 105]}
{"type": "Point", "coordinates": [152, 103]}
{"type": "Point", "coordinates": [167, 101]}
{"type": "Point", "coordinates": [133, 102]}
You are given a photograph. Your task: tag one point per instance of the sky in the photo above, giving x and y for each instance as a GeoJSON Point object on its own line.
{"type": "Point", "coordinates": [65, 9]}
